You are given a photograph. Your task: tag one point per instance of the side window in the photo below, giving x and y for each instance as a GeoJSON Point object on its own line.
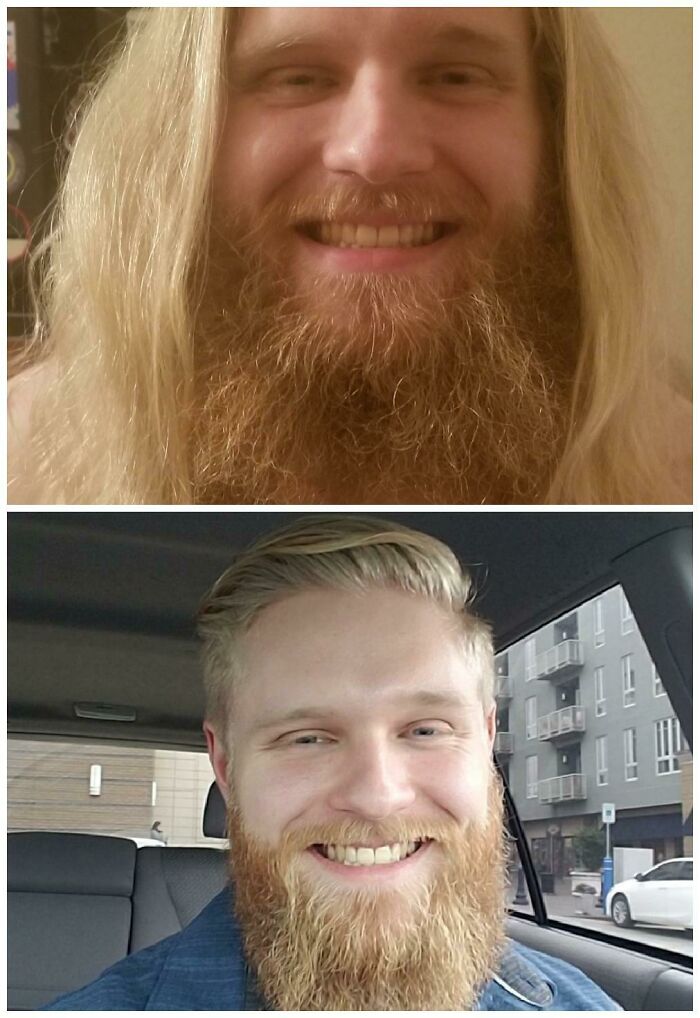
{"type": "Point", "coordinates": [667, 871]}
{"type": "Point", "coordinates": [530, 659]}
{"type": "Point", "coordinates": [626, 616]}
{"type": "Point", "coordinates": [531, 777]}
{"type": "Point", "coordinates": [686, 872]}
{"type": "Point", "coordinates": [629, 693]}
{"type": "Point", "coordinates": [598, 622]}
{"type": "Point", "coordinates": [629, 741]}
{"type": "Point", "coordinates": [668, 745]}
{"type": "Point", "coordinates": [601, 760]}
{"type": "Point", "coordinates": [599, 683]}
{"type": "Point", "coordinates": [531, 717]}
{"type": "Point", "coordinates": [588, 728]}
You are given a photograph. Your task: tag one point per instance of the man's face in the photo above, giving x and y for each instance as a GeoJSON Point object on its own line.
{"type": "Point", "coordinates": [330, 107]}
{"type": "Point", "coordinates": [358, 725]}
{"type": "Point", "coordinates": [389, 309]}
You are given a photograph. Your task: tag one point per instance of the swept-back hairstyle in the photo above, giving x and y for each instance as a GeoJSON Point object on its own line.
{"type": "Point", "coordinates": [348, 553]}
{"type": "Point", "coordinates": [119, 272]}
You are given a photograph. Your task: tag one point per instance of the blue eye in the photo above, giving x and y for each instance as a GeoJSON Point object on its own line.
{"type": "Point", "coordinates": [310, 739]}
{"type": "Point", "coordinates": [424, 732]}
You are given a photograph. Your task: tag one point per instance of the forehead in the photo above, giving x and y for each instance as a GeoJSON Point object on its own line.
{"type": "Point", "coordinates": [352, 654]}
{"type": "Point", "coordinates": [399, 30]}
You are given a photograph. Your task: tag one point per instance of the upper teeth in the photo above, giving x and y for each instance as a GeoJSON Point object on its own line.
{"type": "Point", "coordinates": [353, 856]}
{"type": "Point", "coordinates": [349, 235]}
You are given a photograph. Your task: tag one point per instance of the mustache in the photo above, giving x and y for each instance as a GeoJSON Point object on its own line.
{"type": "Point", "coordinates": [350, 201]}
{"type": "Point", "coordinates": [359, 832]}
{"type": "Point", "coordinates": [411, 204]}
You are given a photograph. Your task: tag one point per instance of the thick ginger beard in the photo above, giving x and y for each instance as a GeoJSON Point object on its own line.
{"type": "Point", "coordinates": [317, 946]}
{"type": "Point", "coordinates": [403, 388]}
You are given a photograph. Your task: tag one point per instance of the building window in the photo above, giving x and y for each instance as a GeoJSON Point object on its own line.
{"type": "Point", "coordinates": [628, 688]}
{"type": "Point", "coordinates": [656, 682]}
{"type": "Point", "coordinates": [599, 683]}
{"type": "Point", "coordinates": [626, 616]}
{"type": "Point", "coordinates": [531, 777]}
{"type": "Point", "coordinates": [601, 760]}
{"type": "Point", "coordinates": [629, 741]}
{"type": "Point", "coordinates": [598, 623]}
{"type": "Point", "coordinates": [531, 717]}
{"type": "Point", "coordinates": [530, 659]}
{"type": "Point", "coordinates": [668, 745]}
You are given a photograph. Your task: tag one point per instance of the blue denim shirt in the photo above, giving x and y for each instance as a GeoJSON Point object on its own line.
{"type": "Point", "coordinates": [203, 969]}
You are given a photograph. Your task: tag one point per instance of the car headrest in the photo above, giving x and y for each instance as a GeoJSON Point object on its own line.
{"type": "Point", "coordinates": [214, 823]}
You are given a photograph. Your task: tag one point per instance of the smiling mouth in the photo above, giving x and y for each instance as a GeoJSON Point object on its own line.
{"type": "Point", "coordinates": [362, 235]}
{"type": "Point", "coordinates": [361, 855]}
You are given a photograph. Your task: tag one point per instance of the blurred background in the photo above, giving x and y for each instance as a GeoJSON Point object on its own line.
{"type": "Point", "coordinates": [52, 52]}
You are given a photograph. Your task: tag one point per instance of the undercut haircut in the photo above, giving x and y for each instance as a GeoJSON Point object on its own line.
{"type": "Point", "coordinates": [344, 553]}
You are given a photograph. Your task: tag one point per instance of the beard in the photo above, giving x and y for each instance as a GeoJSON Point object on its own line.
{"type": "Point", "coordinates": [384, 388]}
{"type": "Point", "coordinates": [317, 946]}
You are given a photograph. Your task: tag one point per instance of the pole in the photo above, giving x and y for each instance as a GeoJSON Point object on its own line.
{"type": "Point", "coordinates": [607, 876]}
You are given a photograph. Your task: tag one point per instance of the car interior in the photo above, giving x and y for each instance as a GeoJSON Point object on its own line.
{"type": "Point", "coordinates": [101, 612]}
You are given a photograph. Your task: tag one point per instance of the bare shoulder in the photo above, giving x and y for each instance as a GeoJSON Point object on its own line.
{"type": "Point", "coordinates": [24, 391]}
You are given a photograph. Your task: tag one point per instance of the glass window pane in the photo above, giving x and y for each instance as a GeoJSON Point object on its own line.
{"type": "Point", "coordinates": [586, 732]}
{"type": "Point", "coordinates": [51, 787]}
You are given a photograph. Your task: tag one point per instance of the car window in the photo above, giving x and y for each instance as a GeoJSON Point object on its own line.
{"type": "Point", "coordinates": [584, 723]}
{"type": "Point", "coordinates": [668, 871]}
{"type": "Point", "coordinates": [150, 795]}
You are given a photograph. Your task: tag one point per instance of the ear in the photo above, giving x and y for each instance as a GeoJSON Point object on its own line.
{"type": "Point", "coordinates": [218, 757]}
{"type": "Point", "coordinates": [491, 727]}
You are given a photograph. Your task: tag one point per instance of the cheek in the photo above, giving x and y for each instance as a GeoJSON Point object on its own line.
{"type": "Point", "coordinates": [271, 794]}
{"type": "Point", "coordinates": [459, 786]}
{"type": "Point", "coordinates": [500, 154]}
{"type": "Point", "coordinates": [259, 153]}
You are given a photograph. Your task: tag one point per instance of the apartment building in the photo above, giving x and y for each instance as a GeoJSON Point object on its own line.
{"type": "Point", "coordinates": [583, 720]}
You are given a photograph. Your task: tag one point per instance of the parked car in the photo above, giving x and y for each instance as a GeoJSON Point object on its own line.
{"type": "Point", "coordinates": [662, 896]}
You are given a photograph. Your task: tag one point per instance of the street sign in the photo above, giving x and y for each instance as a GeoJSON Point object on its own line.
{"type": "Point", "coordinates": [608, 812]}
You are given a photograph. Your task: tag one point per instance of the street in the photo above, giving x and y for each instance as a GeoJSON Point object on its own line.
{"type": "Point", "coordinates": [564, 906]}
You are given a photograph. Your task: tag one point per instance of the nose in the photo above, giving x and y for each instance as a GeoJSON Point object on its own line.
{"type": "Point", "coordinates": [374, 783]}
{"type": "Point", "coordinates": [379, 133]}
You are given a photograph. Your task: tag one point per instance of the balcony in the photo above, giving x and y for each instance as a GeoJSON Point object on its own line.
{"type": "Point", "coordinates": [566, 721]}
{"type": "Point", "coordinates": [564, 788]}
{"type": "Point", "coordinates": [561, 662]}
{"type": "Point", "coordinates": [503, 746]}
{"type": "Point", "coordinates": [504, 688]}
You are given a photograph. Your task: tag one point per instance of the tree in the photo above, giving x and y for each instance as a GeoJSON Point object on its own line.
{"type": "Point", "coordinates": [589, 847]}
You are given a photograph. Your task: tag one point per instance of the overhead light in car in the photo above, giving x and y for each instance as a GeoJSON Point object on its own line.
{"type": "Point", "coordinates": [104, 712]}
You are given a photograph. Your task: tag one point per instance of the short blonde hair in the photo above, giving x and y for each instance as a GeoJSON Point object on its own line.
{"type": "Point", "coordinates": [340, 553]}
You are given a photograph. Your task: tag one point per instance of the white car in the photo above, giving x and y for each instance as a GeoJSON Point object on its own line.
{"type": "Point", "coordinates": [662, 896]}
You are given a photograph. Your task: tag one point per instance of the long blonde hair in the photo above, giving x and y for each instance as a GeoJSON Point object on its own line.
{"type": "Point", "coordinates": [119, 271]}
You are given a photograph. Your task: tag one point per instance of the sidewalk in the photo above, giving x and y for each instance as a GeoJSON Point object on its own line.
{"type": "Point", "coordinates": [561, 903]}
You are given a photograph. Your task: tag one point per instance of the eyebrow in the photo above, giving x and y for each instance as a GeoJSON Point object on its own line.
{"type": "Point", "coordinates": [423, 698]}
{"type": "Point", "coordinates": [450, 34]}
